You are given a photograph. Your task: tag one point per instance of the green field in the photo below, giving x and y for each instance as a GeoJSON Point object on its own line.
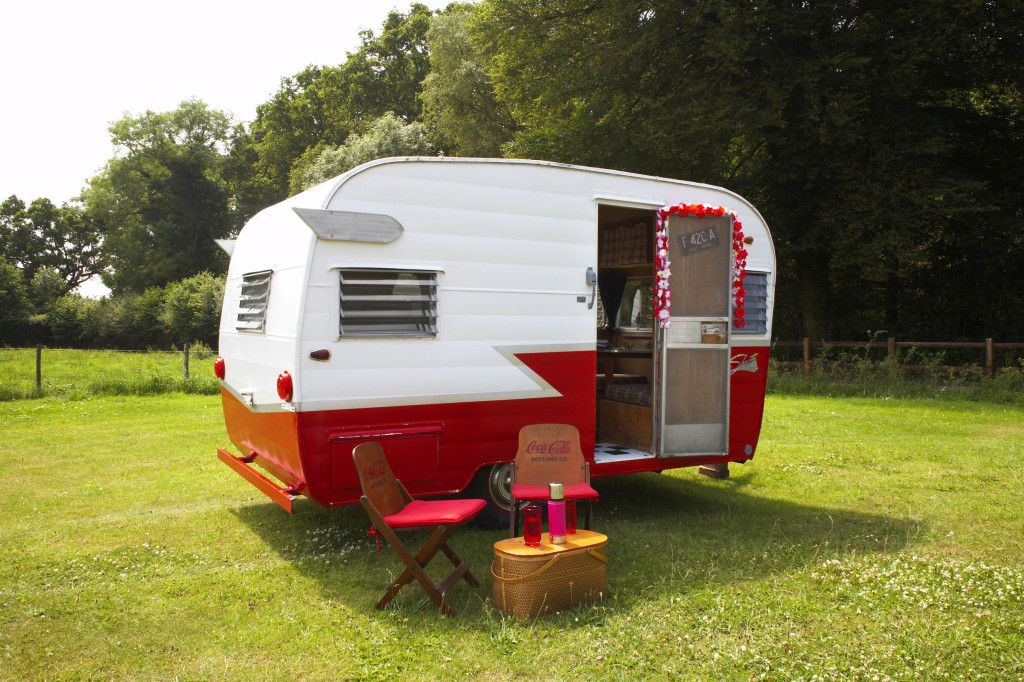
{"type": "Point", "coordinates": [65, 372]}
{"type": "Point", "coordinates": [869, 539]}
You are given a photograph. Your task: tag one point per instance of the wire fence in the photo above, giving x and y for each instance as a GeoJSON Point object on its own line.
{"type": "Point", "coordinates": [984, 358]}
{"type": "Point", "coordinates": [39, 372]}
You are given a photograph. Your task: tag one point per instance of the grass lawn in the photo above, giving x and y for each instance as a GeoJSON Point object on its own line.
{"type": "Point", "coordinates": [869, 539]}
{"type": "Point", "coordinates": [75, 374]}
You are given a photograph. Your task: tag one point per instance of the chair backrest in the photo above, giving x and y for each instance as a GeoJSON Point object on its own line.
{"type": "Point", "coordinates": [376, 478]}
{"type": "Point", "coordinates": [549, 453]}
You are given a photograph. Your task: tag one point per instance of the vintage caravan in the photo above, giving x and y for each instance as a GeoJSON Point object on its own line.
{"type": "Point", "coordinates": [438, 305]}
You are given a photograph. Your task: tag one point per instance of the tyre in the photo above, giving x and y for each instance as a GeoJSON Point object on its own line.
{"type": "Point", "coordinates": [493, 484]}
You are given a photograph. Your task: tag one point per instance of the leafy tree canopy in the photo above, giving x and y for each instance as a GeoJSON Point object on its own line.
{"type": "Point", "coordinates": [873, 138]}
{"type": "Point", "coordinates": [318, 108]}
{"type": "Point", "coordinates": [388, 136]}
{"type": "Point", "coordinates": [458, 95]}
{"type": "Point", "coordinates": [163, 199]}
{"type": "Point", "coordinates": [59, 239]}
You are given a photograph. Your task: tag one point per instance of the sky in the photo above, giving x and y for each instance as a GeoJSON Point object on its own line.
{"type": "Point", "coordinates": [70, 68]}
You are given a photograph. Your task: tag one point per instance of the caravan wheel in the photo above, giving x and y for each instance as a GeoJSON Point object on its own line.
{"type": "Point", "coordinates": [494, 485]}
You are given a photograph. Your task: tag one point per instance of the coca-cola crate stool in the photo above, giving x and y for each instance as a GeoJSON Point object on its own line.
{"type": "Point", "coordinates": [549, 453]}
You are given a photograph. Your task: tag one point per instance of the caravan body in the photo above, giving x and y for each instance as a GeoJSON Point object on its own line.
{"type": "Point", "coordinates": [439, 305]}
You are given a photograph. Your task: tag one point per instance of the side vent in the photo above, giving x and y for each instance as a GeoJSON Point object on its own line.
{"type": "Point", "coordinates": [388, 303]}
{"type": "Point", "coordinates": [252, 306]}
{"type": "Point", "coordinates": [756, 319]}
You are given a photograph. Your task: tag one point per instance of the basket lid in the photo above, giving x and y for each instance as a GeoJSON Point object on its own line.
{"type": "Point", "coordinates": [581, 539]}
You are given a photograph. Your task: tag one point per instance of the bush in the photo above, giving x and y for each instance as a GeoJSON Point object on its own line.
{"type": "Point", "coordinates": [910, 373]}
{"type": "Point", "coordinates": [14, 308]}
{"type": "Point", "coordinates": [192, 309]}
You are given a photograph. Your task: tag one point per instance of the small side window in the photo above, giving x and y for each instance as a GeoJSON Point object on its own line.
{"type": "Point", "coordinates": [252, 305]}
{"type": "Point", "coordinates": [387, 303]}
{"type": "Point", "coordinates": [756, 306]}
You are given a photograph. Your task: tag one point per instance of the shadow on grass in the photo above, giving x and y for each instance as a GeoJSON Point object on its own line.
{"type": "Point", "coordinates": [669, 535]}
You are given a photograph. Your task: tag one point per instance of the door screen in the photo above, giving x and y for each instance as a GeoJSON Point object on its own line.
{"type": "Point", "coordinates": [694, 351]}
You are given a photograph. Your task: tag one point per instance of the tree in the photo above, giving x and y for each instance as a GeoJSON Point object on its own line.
{"type": "Point", "coordinates": [63, 240]}
{"type": "Point", "coordinates": [308, 110]}
{"type": "Point", "coordinates": [388, 136]}
{"type": "Point", "coordinates": [46, 286]}
{"type": "Point", "coordinates": [865, 134]}
{"type": "Point", "coordinates": [17, 241]}
{"type": "Point", "coordinates": [386, 72]}
{"type": "Point", "coordinates": [319, 107]}
{"type": "Point", "coordinates": [458, 96]}
{"type": "Point", "coordinates": [163, 199]}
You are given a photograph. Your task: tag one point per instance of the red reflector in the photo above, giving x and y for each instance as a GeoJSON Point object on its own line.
{"type": "Point", "coordinates": [218, 368]}
{"type": "Point", "coordinates": [322, 355]}
{"type": "Point", "coordinates": [284, 386]}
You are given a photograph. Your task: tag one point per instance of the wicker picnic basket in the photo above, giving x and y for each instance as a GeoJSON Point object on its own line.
{"type": "Point", "coordinates": [561, 577]}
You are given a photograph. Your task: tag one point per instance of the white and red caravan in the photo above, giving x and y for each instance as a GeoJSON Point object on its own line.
{"type": "Point", "coordinates": [438, 305]}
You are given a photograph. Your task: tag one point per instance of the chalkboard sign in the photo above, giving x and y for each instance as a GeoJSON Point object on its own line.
{"type": "Point", "coordinates": [701, 240]}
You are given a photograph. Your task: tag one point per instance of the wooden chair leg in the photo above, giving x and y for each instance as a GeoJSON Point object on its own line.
{"type": "Point", "coordinates": [590, 515]}
{"type": "Point", "coordinates": [459, 563]}
{"type": "Point", "coordinates": [415, 566]}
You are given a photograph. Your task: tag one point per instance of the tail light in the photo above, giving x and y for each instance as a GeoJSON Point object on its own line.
{"type": "Point", "coordinates": [284, 386]}
{"type": "Point", "coordinates": [218, 368]}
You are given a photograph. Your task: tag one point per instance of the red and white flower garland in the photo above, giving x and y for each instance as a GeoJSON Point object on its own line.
{"type": "Point", "coordinates": [662, 293]}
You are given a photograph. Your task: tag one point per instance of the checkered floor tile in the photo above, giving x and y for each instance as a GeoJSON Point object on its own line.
{"type": "Point", "coordinates": [608, 452]}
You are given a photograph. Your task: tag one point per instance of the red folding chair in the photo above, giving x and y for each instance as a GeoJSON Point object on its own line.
{"type": "Point", "coordinates": [392, 508]}
{"type": "Point", "coordinates": [549, 453]}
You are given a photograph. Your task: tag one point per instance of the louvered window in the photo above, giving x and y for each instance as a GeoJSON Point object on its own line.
{"type": "Point", "coordinates": [384, 303]}
{"type": "Point", "coordinates": [252, 306]}
{"type": "Point", "coordinates": [756, 319]}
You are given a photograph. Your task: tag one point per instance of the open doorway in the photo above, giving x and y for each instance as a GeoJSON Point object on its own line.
{"type": "Point", "coordinates": [626, 340]}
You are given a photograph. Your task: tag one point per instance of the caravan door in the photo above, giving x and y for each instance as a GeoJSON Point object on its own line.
{"type": "Point", "coordinates": [692, 355]}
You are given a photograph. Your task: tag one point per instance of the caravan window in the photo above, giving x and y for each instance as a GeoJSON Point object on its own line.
{"type": "Point", "coordinates": [756, 286]}
{"type": "Point", "coordinates": [252, 304]}
{"type": "Point", "coordinates": [387, 303]}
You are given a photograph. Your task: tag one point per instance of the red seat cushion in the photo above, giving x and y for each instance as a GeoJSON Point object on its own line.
{"type": "Point", "coordinates": [435, 513]}
{"type": "Point", "coordinates": [576, 491]}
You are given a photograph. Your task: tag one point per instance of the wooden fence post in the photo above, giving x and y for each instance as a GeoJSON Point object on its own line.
{"type": "Point", "coordinates": [39, 366]}
{"type": "Point", "coordinates": [990, 365]}
{"type": "Point", "coordinates": [186, 360]}
{"type": "Point", "coordinates": [807, 357]}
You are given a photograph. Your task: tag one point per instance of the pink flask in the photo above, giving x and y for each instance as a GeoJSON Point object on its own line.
{"type": "Point", "coordinates": [556, 513]}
